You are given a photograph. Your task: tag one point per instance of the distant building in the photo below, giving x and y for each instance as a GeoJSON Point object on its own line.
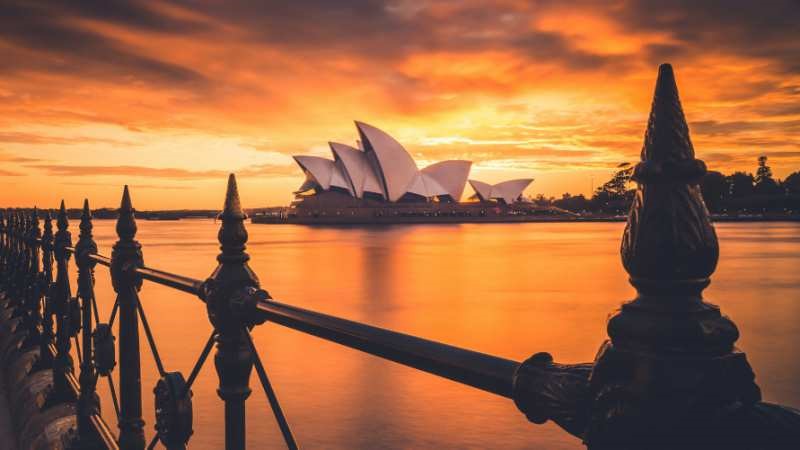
{"type": "Point", "coordinates": [382, 170]}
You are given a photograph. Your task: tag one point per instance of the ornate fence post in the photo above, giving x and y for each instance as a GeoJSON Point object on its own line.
{"type": "Point", "coordinates": [10, 247]}
{"type": "Point", "coordinates": [62, 365]}
{"type": "Point", "coordinates": [670, 373]}
{"type": "Point", "coordinates": [87, 402]}
{"type": "Point", "coordinates": [45, 356]}
{"type": "Point", "coordinates": [17, 261]}
{"type": "Point", "coordinates": [125, 258]}
{"type": "Point", "coordinates": [33, 291]}
{"type": "Point", "coordinates": [232, 280]}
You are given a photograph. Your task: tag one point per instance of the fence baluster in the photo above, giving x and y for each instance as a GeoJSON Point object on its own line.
{"type": "Point", "coordinates": [125, 257]}
{"type": "Point", "coordinates": [16, 261]}
{"type": "Point", "coordinates": [87, 403]}
{"type": "Point", "coordinates": [62, 365]}
{"type": "Point", "coordinates": [229, 281]}
{"type": "Point", "coordinates": [45, 356]}
{"type": "Point", "coordinates": [33, 287]}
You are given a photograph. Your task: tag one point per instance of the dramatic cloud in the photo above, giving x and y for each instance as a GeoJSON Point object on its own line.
{"type": "Point", "coordinates": [187, 91]}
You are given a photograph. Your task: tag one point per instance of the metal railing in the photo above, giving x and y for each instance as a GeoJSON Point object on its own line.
{"type": "Point", "coordinates": [669, 374]}
{"type": "Point", "coordinates": [235, 304]}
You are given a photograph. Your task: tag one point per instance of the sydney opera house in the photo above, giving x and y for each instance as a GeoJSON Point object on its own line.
{"type": "Point", "coordinates": [379, 182]}
{"type": "Point", "coordinates": [382, 170]}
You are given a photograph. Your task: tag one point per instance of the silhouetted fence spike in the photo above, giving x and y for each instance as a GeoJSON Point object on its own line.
{"type": "Point", "coordinates": [230, 280]}
{"type": "Point", "coordinates": [670, 369]}
{"type": "Point", "coordinates": [125, 257]}
{"type": "Point", "coordinates": [61, 301]}
{"type": "Point", "coordinates": [84, 248]}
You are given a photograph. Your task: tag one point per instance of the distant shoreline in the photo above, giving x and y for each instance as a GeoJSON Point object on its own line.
{"type": "Point", "coordinates": [172, 216]}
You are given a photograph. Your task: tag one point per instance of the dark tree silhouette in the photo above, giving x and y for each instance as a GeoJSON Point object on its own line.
{"type": "Point", "coordinates": [740, 184]}
{"type": "Point", "coordinates": [764, 183]}
{"type": "Point", "coordinates": [617, 187]}
{"type": "Point", "coordinates": [791, 184]}
{"type": "Point", "coordinates": [715, 190]}
{"type": "Point", "coordinates": [740, 192]}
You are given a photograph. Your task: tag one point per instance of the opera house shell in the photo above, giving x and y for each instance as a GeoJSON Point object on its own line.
{"type": "Point", "coordinates": [382, 170]}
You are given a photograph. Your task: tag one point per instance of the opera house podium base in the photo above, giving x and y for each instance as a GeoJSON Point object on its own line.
{"type": "Point", "coordinates": [332, 208]}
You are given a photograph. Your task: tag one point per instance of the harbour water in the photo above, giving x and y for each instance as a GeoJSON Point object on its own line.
{"type": "Point", "coordinates": [505, 289]}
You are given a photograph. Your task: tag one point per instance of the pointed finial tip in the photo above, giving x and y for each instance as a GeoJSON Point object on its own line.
{"type": "Point", "coordinates": [126, 199]}
{"type": "Point", "coordinates": [666, 76]}
{"type": "Point", "coordinates": [63, 207]}
{"type": "Point", "coordinates": [232, 203]}
{"type": "Point", "coordinates": [233, 189]}
{"type": "Point", "coordinates": [87, 212]}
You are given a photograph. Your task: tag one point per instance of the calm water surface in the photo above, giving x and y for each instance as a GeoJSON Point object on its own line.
{"type": "Point", "coordinates": [505, 289]}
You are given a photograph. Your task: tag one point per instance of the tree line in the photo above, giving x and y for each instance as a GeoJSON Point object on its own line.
{"type": "Point", "coordinates": [737, 193]}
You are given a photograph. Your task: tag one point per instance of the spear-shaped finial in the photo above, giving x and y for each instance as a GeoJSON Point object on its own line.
{"type": "Point", "coordinates": [669, 235]}
{"type": "Point", "coordinates": [61, 220]}
{"type": "Point", "coordinates": [126, 222]}
{"type": "Point", "coordinates": [667, 135]}
{"type": "Point", "coordinates": [36, 232]}
{"type": "Point", "coordinates": [86, 219]}
{"type": "Point", "coordinates": [233, 269]}
{"type": "Point", "coordinates": [63, 237]}
{"type": "Point", "coordinates": [85, 245]}
{"type": "Point", "coordinates": [47, 235]}
{"type": "Point", "coordinates": [232, 234]}
{"type": "Point", "coordinates": [233, 206]}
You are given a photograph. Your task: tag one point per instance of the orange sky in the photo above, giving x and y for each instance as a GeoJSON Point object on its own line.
{"type": "Point", "coordinates": [169, 99]}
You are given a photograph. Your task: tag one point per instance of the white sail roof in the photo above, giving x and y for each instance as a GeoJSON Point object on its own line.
{"type": "Point", "coordinates": [323, 171]}
{"type": "Point", "coordinates": [450, 176]}
{"type": "Point", "coordinates": [356, 169]}
{"type": "Point", "coordinates": [395, 166]}
{"type": "Point", "coordinates": [482, 190]}
{"type": "Point", "coordinates": [509, 191]}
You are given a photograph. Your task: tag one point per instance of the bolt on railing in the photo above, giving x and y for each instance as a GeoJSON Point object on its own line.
{"type": "Point", "coordinates": [668, 377]}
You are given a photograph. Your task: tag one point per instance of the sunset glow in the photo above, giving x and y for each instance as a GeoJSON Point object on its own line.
{"type": "Point", "coordinates": [170, 98]}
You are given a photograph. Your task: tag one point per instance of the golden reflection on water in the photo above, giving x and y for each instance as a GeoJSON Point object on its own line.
{"type": "Point", "coordinates": [505, 289]}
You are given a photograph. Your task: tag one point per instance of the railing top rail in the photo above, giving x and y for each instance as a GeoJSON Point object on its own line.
{"type": "Point", "coordinates": [479, 370]}
{"type": "Point", "coordinates": [162, 277]}
{"type": "Point", "coordinates": [175, 281]}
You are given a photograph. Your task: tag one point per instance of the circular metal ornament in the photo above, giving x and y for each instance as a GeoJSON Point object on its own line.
{"type": "Point", "coordinates": [104, 353]}
{"type": "Point", "coordinates": [173, 410]}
